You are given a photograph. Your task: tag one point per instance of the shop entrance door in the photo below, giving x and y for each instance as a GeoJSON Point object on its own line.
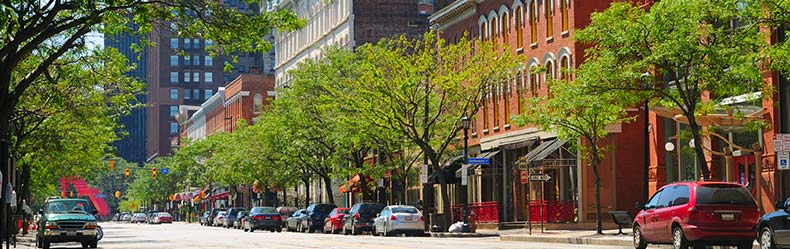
{"type": "Point", "coordinates": [743, 171]}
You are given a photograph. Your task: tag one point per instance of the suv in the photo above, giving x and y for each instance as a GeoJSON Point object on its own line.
{"type": "Point", "coordinates": [360, 217]}
{"type": "Point", "coordinates": [698, 214]}
{"type": "Point", "coordinates": [316, 213]}
{"type": "Point", "coordinates": [67, 220]}
{"type": "Point", "coordinates": [230, 216]}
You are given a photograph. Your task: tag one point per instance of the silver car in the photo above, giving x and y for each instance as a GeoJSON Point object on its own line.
{"type": "Point", "coordinates": [220, 219]}
{"type": "Point", "coordinates": [399, 219]}
{"type": "Point", "coordinates": [139, 217]}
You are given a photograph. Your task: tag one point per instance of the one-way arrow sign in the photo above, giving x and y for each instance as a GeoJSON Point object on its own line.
{"type": "Point", "coordinates": [539, 177]}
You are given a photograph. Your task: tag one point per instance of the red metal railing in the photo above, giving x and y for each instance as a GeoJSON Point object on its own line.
{"type": "Point", "coordinates": [553, 211]}
{"type": "Point", "coordinates": [485, 212]}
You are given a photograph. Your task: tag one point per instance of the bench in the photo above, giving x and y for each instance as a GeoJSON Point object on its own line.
{"type": "Point", "coordinates": [621, 218]}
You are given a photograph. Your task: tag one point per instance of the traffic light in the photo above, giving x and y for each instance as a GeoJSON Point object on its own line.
{"type": "Point", "coordinates": [153, 172]}
{"type": "Point", "coordinates": [112, 164]}
{"type": "Point", "coordinates": [117, 194]}
{"type": "Point", "coordinates": [127, 173]}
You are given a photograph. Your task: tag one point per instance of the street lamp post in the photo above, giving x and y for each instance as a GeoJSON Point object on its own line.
{"type": "Point", "coordinates": [465, 227]}
{"type": "Point", "coordinates": [646, 178]}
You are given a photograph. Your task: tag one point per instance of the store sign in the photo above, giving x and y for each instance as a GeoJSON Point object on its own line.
{"type": "Point", "coordinates": [464, 174]}
{"type": "Point", "coordinates": [783, 160]}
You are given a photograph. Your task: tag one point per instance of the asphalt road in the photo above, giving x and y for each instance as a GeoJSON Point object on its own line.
{"type": "Point", "coordinates": [181, 235]}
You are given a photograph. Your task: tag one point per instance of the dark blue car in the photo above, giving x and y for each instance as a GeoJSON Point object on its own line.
{"type": "Point", "coordinates": [231, 216]}
{"type": "Point", "coordinates": [774, 228]}
{"type": "Point", "coordinates": [314, 216]}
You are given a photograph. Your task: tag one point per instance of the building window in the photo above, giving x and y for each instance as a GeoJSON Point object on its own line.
{"type": "Point", "coordinates": [493, 29]}
{"type": "Point", "coordinates": [506, 98]}
{"type": "Point", "coordinates": [196, 60]}
{"type": "Point", "coordinates": [174, 77]}
{"type": "Point", "coordinates": [196, 93]}
{"type": "Point", "coordinates": [505, 26]}
{"type": "Point", "coordinates": [533, 81]}
{"type": "Point", "coordinates": [173, 42]}
{"type": "Point", "coordinates": [521, 90]}
{"type": "Point", "coordinates": [485, 112]}
{"type": "Point", "coordinates": [174, 60]}
{"type": "Point", "coordinates": [196, 43]}
{"type": "Point", "coordinates": [187, 60]}
{"type": "Point", "coordinates": [173, 128]}
{"type": "Point", "coordinates": [564, 10]}
{"type": "Point", "coordinates": [483, 24]}
{"type": "Point", "coordinates": [549, 21]}
{"type": "Point", "coordinates": [174, 93]}
{"type": "Point", "coordinates": [187, 78]}
{"type": "Point", "coordinates": [495, 101]}
{"type": "Point", "coordinates": [564, 66]}
{"type": "Point", "coordinates": [549, 76]}
{"type": "Point", "coordinates": [187, 43]}
{"type": "Point", "coordinates": [208, 61]}
{"type": "Point", "coordinates": [208, 93]}
{"type": "Point", "coordinates": [173, 110]}
{"type": "Point", "coordinates": [208, 77]}
{"type": "Point", "coordinates": [257, 102]}
{"type": "Point", "coordinates": [187, 94]}
{"type": "Point", "coordinates": [209, 43]}
{"type": "Point", "coordinates": [196, 76]}
{"type": "Point", "coordinates": [519, 27]}
{"type": "Point", "coordinates": [533, 20]}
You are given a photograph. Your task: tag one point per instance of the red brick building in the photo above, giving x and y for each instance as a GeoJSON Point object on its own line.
{"type": "Point", "coordinates": [245, 97]}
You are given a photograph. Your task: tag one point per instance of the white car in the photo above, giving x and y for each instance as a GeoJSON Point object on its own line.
{"type": "Point", "coordinates": [162, 217]}
{"type": "Point", "coordinates": [220, 219]}
{"type": "Point", "coordinates": [139, 217]}
{"type": "Point", "coordinates": [399, 219]}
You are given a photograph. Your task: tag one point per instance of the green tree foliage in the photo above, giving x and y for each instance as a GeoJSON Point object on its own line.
{"type": "Point", "coordinates": [691, 49]}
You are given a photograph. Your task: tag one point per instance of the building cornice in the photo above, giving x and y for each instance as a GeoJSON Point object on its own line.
{"type": "Point", "coordinates": [452, 11]}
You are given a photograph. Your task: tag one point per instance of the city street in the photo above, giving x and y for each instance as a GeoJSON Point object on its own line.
{"type": "Point", "coordinates": [180, 235]}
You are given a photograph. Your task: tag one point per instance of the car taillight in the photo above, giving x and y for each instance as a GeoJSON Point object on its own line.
{"type": "Point", "coordinates": [422, 218]}
{"type": "Point", "coordinates": [276, 217]}
{"type": "Point", "coordinates": [356, 216]}
{"type": "Point", "coordinates": [692, 211]}
{"type": "Point", "coordinates": [393, 217]}
{"type": "Point", "coordinates": [257, 217]}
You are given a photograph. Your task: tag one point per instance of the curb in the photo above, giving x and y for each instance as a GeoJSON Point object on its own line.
{"type": "Point", "coordinates": [463, 235]}
{"type": "Point", "coordinates": [562, 240]}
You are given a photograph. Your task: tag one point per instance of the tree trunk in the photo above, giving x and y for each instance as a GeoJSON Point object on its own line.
{"type": "Point", "coordinates": [363, 184]}
{"type": "Point", "coordinates": [328, 188]}
{"type": "Point", "coordinates": [306, 192]}
{"type": "Point", "coordinates": [696, 132]}
{"type": "Point", "coordinates": [598, 225]}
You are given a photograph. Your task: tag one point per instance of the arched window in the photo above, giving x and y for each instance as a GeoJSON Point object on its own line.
{"type": "Point", "coordinates": [522, 85]}
{"type": "Point", "coordinates": [533, 20]}
{"type": "Point", "coordinates": [549, 76]}
{"type": "Point", "coordinates": [519, 26]}
{"type": "Point", "coordinates": [257, 102]}
{"type": "Point", "coordinates": [506, 97]}
{"type": "Point", "coordinates": [485, 111]}
{"type": "Point", "coordinates": [505, 20]}
{"type": "Point", "coordinates": [564, 10]}
{"type": "Point", "coordinates": [534, 81]}
{"type": "Point", "coordinates": [492, 27]}
{"type": "Point", "coordinates": [482, 25]}
{"type": "Point", "coordinates": [564, 66]}
{"type": "Point", "coordinates": [549, 21]}
{"type": "Point", "coordinates": [495, 100]}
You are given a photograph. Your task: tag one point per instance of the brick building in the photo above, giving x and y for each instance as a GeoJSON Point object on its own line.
{"type": "Point", "coordinates": [245, 98]}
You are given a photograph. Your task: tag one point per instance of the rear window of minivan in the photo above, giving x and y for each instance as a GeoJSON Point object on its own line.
{"type": "Point", "coordinates": [724, 194]}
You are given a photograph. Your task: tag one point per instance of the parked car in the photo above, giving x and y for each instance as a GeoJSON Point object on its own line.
{"type": "Point", "coordinates": [263, 218]}
{"type": "Point", "coordinates": [213, 215]}
{"type": "Point", "coordinates": [774, 228]}
{"type": "Point", "coordinates": [116, 217]}
{"type": "Point", "coordinates": [697, 214]}
{"type": "Point", "coordinates": [204, 218]}
{"type": "Point", "coordinates": [399, 219]}
{"type": "Point", "coordinates": [67, 220]}
{"type": "Point", "coordinates": [219, 219]}
{"type": "Point", "coordinates": [334, 221]}
{"type": "Point", "coordinates": [230, 216]}
{"type": "Point", "coordinates": [127, 217]}
{"type": "Point", "coordinates": [316, 213]}
{"type": "Point", "coordinates": [139, 218]}
{"type": "Point", "coordinates": [151, 216]}
{"type": "Point", "coordinates": [286, 212]}
{"type": "Point", "coordinates": [295, 220]}
{"type": "Point", "coordinates": [237, 224]}
{"type": "Point", "coordinates": [162, 217]}
{"type": "Point", "coordinates": [360, 217]}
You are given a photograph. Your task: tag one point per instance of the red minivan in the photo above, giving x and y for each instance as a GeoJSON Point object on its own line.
{"type": "Point", "coordinates": [698, 214]}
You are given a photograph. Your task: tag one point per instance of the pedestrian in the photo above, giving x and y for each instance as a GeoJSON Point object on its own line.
{"type": "Point", "coordinates": [25, 217]}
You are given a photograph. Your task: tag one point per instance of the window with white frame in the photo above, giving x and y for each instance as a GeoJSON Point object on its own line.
{"type": "Point", "coordinates": [208, 61]}
{"type": "Point", "coordinates": [208, 93]}
{"type": "Point", "coordinates": [173, 128]}
{"type": "Point", "coordinates": [187, 60]}
{"type": "Point", "coordinates": [174, 60]}
{"type": "Point", "coordinates": [187, 43]}
{"type": "Point", "coordinates": [187, 77]}
{"type": "Point", "coordinates": [208, 77]}
{"type": "Point", "coordinates": [173, 93]}
{"type": "Point", "coordinates": [173, 77]}
{"type": "Point", "coordinates": [173, 110]}
{"type": "Point", "coordinates": [196, 76]}
{"type": "Point", "coordinates": [187, 94]}
{"type": "Point", "coordinates": [173, 42]}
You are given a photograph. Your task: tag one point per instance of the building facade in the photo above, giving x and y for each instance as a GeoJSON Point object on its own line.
{"type": "Point", "coordinates": [132, 145]}
{"type": "Point", "coordinates": [245, 98]}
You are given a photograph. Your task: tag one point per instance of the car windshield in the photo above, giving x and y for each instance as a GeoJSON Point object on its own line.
{"type": "Point", "coordinates": [371, 208]}
{"type": "Point", "coordinates": [323, 208]}
{"type": "Point", "coordinates": [724, 194]}
{"type": "Point", "coordinates": [407, 210]}
{"type": "Point", "coordinates": [263, 210]}
{"type": "Point", "coordinates": [163, 215]}
{"type": "Point", "coordinates": [68, 206]}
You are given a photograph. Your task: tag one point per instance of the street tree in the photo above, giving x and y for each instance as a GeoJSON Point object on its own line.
{"type": "Point", "coordinates": [573, 112]}
{"type": "Point", "coordinates": [697, 53]}
{"type": "Point", "coordinates": [421, 88]}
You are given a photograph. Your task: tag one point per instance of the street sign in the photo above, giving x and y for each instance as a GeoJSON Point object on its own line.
{"type": "Point", "coordinates": [464, 174]}
{"type": "Point", "coordinates": [783, 160]}
{"type": "Point", "coordinates": [165, 171]}
{"type": "Point", "coordinates": [540, 177]}
{"type": "Point", "coordinates": [478, 160]}
{"type": "Point", "coordinates": [524, 177]}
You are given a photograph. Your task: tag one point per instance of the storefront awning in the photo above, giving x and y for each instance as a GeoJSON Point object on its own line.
{"type": "Point", "coordinates": [543, 150]}
{"type": "Point", "coordinates": [448, 169]}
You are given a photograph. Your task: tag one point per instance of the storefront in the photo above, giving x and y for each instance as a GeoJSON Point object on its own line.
{"type": "Point", "coordinates": [548, 184]}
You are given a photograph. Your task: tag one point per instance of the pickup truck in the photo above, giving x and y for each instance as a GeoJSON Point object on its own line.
{"type": "Point", "coordinates": [67, 220]}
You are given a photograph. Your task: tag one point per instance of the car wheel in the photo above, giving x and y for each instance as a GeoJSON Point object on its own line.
{"type": "Point", "coordinates": [767, 239]}
{"type": "Point", "coordinates": [374, 232]}
{"type": "Point", "coordinates": [310, 228]}
{"type": "Point", "coordinates": [245, 229]}
{"type": "Point", "coordinates": [639, 240]}
{"type": "Point", "coordinates": [384, 233]}
{"type": "Point", "coordinates": [252, 230]}
{"type": "Point", "coordinates": [44, 243]}
{"type": "Point", "coordinates": [354, 229]}
{"type": "Point", "coordinates": [332, 230]}
{"type": "Point", "coordinates": [679, 239]}
{"type": "Point", "coordinates": [345, 231]}
{"type": "Point", "coordinates": [85, 245]}
{"type": "Point", "coordinates": [94, 244]}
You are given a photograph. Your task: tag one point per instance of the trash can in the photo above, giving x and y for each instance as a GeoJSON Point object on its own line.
{"type": "Point", "coordinates": [437, 223]}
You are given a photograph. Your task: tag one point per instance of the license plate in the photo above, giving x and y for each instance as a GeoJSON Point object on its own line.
{"type": "Point", "coordinates": [407, 219]}
{"type": "Point", "coordinates": [71, 233]}
{"type": "Point", "coordinates": [728, 217]}
{"type": "Point", "coordinates": [268, 218]}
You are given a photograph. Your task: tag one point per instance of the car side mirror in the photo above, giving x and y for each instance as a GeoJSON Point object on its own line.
{"type": "Point", "coordinates": [779, 205]}
{"type": "Point", "coordinates": [640, 206]}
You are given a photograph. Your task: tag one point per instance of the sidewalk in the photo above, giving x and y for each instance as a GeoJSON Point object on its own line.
{"type": "Point", "coordinates": [577, 237]}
